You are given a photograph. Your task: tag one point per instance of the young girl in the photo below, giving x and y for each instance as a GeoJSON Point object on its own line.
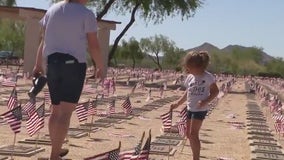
{"type": "Point", "coordinates": [201, 88]}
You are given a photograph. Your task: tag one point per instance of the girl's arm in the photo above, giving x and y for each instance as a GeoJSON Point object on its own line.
{"type": "Point", "coordinates": [214, 91]}
{"type": "Point", "coordinates": [179, 101]}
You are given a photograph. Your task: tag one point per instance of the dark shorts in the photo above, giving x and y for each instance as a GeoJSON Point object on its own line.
{"type": "Point", "coordinates": [65, 78]}
{"type": "Point", "coordinates": [196, 115]}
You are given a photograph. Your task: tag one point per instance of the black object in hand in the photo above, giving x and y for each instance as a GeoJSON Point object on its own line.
{"type": "Point", "coordinates": [39, 82]}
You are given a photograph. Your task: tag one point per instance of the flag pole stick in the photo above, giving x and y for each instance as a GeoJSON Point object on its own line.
{"type": "Point", "coordinates": [13, 146]}
{"type": "Point", "coordinates": [169, 145]}
{"type": "Point", "coordinates": [90, 129]}
{"type": "Point", "coordinates": [37, 139]}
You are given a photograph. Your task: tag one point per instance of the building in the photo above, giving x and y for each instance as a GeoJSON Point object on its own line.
{"type": "Point", "coordinates": [31, 16]}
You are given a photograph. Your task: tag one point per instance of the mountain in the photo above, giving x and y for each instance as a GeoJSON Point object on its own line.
{"type": "Point", "coordinates": [265, 57]}
{"type": "Point", "coordinates": [229, 49]}
{"type": "Point", "coordinates": [204, 47]}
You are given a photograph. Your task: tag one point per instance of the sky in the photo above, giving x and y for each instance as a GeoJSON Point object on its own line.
{"type": "Point", "coordinates": [250, 23]}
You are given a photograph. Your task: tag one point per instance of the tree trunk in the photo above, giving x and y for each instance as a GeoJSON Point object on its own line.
{"type": "Point", "coordinates": [105, 10]}
{"type": "Point", "coordinates": [118, 38]}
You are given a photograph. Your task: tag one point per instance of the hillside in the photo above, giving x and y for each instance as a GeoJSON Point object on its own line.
{"type": "Point", "coordinates": [229, 49]}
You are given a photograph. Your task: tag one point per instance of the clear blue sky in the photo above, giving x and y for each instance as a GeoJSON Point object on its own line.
{"type": "Point", "coordinates": [248, 23]}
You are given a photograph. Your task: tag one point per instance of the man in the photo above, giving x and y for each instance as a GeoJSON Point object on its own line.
{"type": "Point", "coordinates": [69, 29]}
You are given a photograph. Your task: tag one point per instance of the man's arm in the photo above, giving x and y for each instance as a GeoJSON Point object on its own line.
{"type": "Point", "coordinates": [95, 52]}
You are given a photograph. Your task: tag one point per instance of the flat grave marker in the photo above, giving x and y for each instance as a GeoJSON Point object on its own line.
{"type": "Point", "coordinates": [19, 150]}
{"type": "Point", "coordinates": [109, 120]}
{"type": "Point", "coordinates": [167, 135]}
{"type": "Point", "coordinates": [162, 150]}
{"type": "Point", "coordinates": [76, 133]}
{"type": "Point", "coordinates": [167, 142]}
{"type": "Point", "coordinates": [43, 140]}
{"type": "Point", "coordinates": [259, 136]}
{"type": "Point", "coordinates": [96, 124]}
{"type": "Point", "coordinates": [263, 142]}
{"type": "Point", "coordinates": [260, 132]}
{"type": "Point", "coordinates": [266, 148]}
{"type": "Point", "coordinates": [268, 156]}
{"type": "Point", "coordinates": [120, 116]}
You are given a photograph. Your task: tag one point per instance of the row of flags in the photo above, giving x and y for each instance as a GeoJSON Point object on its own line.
{"type": "Point", "coordinates": [89, 108]}
{"type": "Point", "coordinates": [35, 122]}
{"type": "Point", "coordinates": [138, 153]}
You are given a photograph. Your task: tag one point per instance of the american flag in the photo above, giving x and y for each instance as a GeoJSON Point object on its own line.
{"type": "Point", "coordinates": [183, 114]}
{"type": "Point", "coordinates": [47, 97]}
{"type": "Point", "coordinates": [126, 105]}
{"type": "Point", "coordinates": [167, 120]}
{"type": "Point", "coordinates": [161, 91]}
{"type": "Point", "coordinates": [181, 128]}
{"type": "Point", "coordinates": [134, 88]}
{"type": "Point", "coordinates": [93, 107]}
{"type": "Point", "coordinates": [82, 111]}
{"type": "Point", "coordinates": [144, 154]}
{"type": "Point", "coordinates": [110, 155]}
{"type": "Point", "coordinates": [10, 82]}
{"type": "Point", "coordinates": [13, 100]}
{"type": "Point", "coordinates": [36, 121]}
{"type": "Point", "coordinates": [133, 153]}
{"type": "Point", "coordinates": [112, 85]}
{"type": "Point", "coordinates": [149, 95]}
{"type": "Point", "coordinates": [30, 106]}
{"type": "Point", "coordinates": [14, 118]}
{"type": "Point", "coordinates": [89, 88]}
{"type": "Point", "coordinates": [111, 106]}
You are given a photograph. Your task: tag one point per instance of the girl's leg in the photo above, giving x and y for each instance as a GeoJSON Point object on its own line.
{"type": "Point", "coordinates": [193, 134]}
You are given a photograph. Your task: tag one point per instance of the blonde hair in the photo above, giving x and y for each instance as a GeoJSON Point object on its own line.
{"type": "Point", "coordinates": [198, 59]}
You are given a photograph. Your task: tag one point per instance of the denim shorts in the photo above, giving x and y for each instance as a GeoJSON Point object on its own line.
{"type": "Point", "coordinates": [200, 115]}
{"type": "Point", "coordinates": [65, 78]}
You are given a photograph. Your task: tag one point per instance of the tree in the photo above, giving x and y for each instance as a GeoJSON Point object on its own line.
{"type": "Point", "coordinates": [155, 47]}
{"type": "Point", "coordinates": [131, 50]}
{"type": "Point", "coordinates": [152, 10]}
{"type": "Point", "coordinates": [7, 2]}
{"type": "Point", "coordinates": [12, 36]}
{"type": "Point", "coordinates": [173, 56]}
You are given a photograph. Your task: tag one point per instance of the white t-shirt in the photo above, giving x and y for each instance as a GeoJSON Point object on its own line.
{"type": "Point", "coordinates": [198, 88]}
{"type": "Point", "coordinates": [66, 27]}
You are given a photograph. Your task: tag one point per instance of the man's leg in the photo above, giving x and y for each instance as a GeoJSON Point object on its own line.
{"type": "Point", "coordinates": [58, 126]}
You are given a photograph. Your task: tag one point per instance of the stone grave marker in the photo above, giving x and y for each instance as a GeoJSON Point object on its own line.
{"type": "Point", "coordinates": [255, 128]}
{"type": "Point", "coordinates": [147, 108]}
{"type": "Point", "coordinates": [167, 135]}
{"type": "Point", "coordinates": [19, 150]}
{"type": "Point", "coordinates": [167, 142]}
{"type": "Point", "coordinates": [256, 124]}
{"type": "Point", "coordinates": [162, 150]}
{"type": "Point", "coordinates": [137, 111]}
{"type": "Point", "coordinates": [43, 140]}
{"type": "Point", "coordinates": [174, 129]}
{"type": "Point", "coordinates": [120, 116]}
{"type": "Point", "coordinates": [266, 148]}
{"type": "Point", "coordinates": [260, 132]}
{"type": "Point", "coordinates": [263, 142]}
{"type": "Point", "coordinates": [249, 116]}
{"type": "Point", "coordinates": [109, 120]}
{"type": "Point", "coordinates": [259, 136]}
{"type": "Point", "coordinates": [96, 124]}
{"type": "Point", "coordinates": [86, 128]}
{"type": "Point", "coordinates": [77, 133]}
{"type": "Point", "coordinates": [267, 156]}
{"type": "Point", "coordinates": [256, 119]}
